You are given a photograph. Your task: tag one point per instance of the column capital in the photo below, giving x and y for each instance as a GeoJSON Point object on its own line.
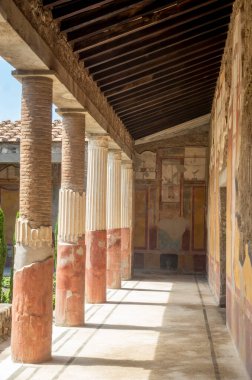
{"type": "Point", "coordinates": [70, 111]}
{"type": "Point", "coordinates": [115, 154]}
{"type": "Point", "coordinates": [127, 164]}
{"type": "Point", "coordinates": [20, 74]}
{"type": "Point", "coordinates": [98, 140]}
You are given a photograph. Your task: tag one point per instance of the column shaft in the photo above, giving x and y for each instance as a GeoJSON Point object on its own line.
{"type": "Point", "coordinates": [32, 292]}
{"type": "Point", "coordinates": [126, 220]}
{"type": "Point", "coordinates": [96, 219]}
{"type": "Point", "coordinates": [70, 274]}
{"type": "Point", "coordinates": [114, 220]}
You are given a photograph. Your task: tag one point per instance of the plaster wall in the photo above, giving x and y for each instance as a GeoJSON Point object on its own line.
{"type": "Point", "coordinates": [170, 198]}
{"type": "Point", "coordinates": [230, 150]}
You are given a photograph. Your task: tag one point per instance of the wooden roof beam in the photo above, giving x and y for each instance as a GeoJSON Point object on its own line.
{"type": "Point", "coordinates": [82, 42]}
{"type": "Point", "coordinates": [165, 35]}
{"type": "Point", "coordinates": [166, 81]}
{"type": "Point", "coordinates": [167, 88]}
{"type": "Point", "coordinates": [169, 98]}
{"type": "Point", "coordinates": [135, 87]}
{"type": "Point", "coordinates": [176, 45]}
{"type": "Point", "coordinates": [166, 106]}
{"type": "Point", "coordinates": [150, 67]}
{"type": "Point", "coordinates": [104, 17]}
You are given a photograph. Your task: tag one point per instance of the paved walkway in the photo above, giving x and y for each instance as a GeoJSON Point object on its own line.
{"type": "Point", "coordinates": [156, 327]}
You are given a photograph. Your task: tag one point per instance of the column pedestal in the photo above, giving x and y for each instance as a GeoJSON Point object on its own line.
{"type": "Point", "coordinates": [96, 266]}
{"type": "Point", "coordinates": [70, 284]}
{"type": "Point", "coordinates": [32, 321]}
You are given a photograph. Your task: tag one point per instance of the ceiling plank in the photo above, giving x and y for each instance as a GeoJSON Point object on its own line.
{"type": "Point", "coordinates": [174, 119]}
{"type": "Point", "coordinates": [168, 52]}
{"type": "Point", "coordinates": [165, 106]}
{"type": "Point", "coordinates": [83, 43]}
{"type": "Point", "coordinates": [165, 82]}
{"type": "Point", "coordinates": [137, 48]}
{"type": "Point", "coordinates": [167, 88]}
{"type": "Point", "coordinates": [149, 68]}
{"type": "Point", "coordinates": [170, 98]}
{"type": "Point", "coordinates": [53, 3]}
{"type": "Point", "coordinates": [124, 90]}
{"type": "Point", "coordinates": [74, 7]}
{"type": "Point", "coordinates": [105, 17]}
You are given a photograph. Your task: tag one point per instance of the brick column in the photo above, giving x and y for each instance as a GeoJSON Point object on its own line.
{"type": "Point", "coordinates": [70, 274]}
{"type": "Point", "coordinates": [96, 219]}
{"type": "Point", "coordinates": [126, 219]}
{"type": "Point", "coordinates": [114, 220]}
{"type": "Point", "coordinates": [32, 293]}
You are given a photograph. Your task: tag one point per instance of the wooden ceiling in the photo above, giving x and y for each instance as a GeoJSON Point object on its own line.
{"type": "Point", "coordinates": [156, 61]}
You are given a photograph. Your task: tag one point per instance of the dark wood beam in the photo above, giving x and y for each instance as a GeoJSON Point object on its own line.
{"type": "Point", "coordinates": [150, 67]}
{"type": "Point", "coordinates": [170, 120]}
{"type": "Point", "coordinates": [168, 99]}
{"type": "Point", "coordinates": [168, 52]}
{"type": "Point", "coordinates": [82, 42]}
{"type": "Point", "coordinates": [162, 90]}
{"type": "Point", "coordinates": [174, 111]}
{"type": "Point", "coordinates": [105, 17]}
{"type": "Point", "coordinates": [185, 76]}
{"type": "Point", "coordinates": [74, 7]}
{"type": "Point", "coordinates": [137, 48]}
{"type": "Point", "coordinates": [125, 90]}
{"type": "Point", "coordinates": [146, 131]}
{"type": "Point", "coordinates": [53, 3]}
{"type": "Point", "coordinates": [166, 106]}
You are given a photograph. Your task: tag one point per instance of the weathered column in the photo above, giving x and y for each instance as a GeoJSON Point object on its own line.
{"type": "Point", "coordinates": [126, 219]}
{"type": "Point", "coordinates": [70, 275]}
{"type": "Point", "coordinates": [32, 293]}
{"type": "Point", "coordinates": [114, 220]}
{"type": "Point", "coordinates": [96, 219]}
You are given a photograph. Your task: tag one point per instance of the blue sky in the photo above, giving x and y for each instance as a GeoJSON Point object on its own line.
{"type": "Point", "coordinates": [10, 94]}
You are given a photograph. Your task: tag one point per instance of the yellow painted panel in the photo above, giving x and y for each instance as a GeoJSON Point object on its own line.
{"type": "Point", "coordinates": [10, 206]}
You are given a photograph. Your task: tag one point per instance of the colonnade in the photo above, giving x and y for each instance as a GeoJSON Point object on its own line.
{"type": "Point", "coordinates": [94, 229]}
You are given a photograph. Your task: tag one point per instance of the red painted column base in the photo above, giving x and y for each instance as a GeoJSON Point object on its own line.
{"type": "Point", "coordinates": [126, 254]}
{"type": "Point", "coordinates": [70, 284]}
{"type": "Point", "coordinates": [31, 337]}
{"type": "Point", "coordinates": [114, 258]}
{"type": "Point", "coordinates": [96, 242]}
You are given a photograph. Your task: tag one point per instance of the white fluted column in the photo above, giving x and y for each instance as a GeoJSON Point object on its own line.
{"type": "Point", "coordinates": [96, 219]}
{"type": "Point", "coordinates": [114, 220]}
{"type": "Point", "coordinates": [126, 219]}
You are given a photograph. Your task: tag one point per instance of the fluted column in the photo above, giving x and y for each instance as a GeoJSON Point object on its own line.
{"type": "Point", "coordinates": [126, 219]}
{"type": "Point", "coordinates": [32, 292]}
{"type": "Point", "coordinates": [70, 274]}
{"type": "Point", "coordinates": [114, 220]}
{"type": "Point", "coordinates": [96, 219]}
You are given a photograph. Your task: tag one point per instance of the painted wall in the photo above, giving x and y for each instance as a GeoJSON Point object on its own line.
{"type": "Point", "coordinates": [170, 185]}
{"type": "Point", "coordinates": [230, 168]}
{"type": "Point", "coordinates": [9, 195]}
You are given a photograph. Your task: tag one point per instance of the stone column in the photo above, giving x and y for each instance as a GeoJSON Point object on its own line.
{"type": "Point", "coordinates": [126, 219]}
{"type": "Point", "coordinates": [70, 274]}
{"type": "Point", "coordinates": [32, 292]}
{"type": "Point", "coordinates": [114, 220]}
{"type": "Point", "coordinates": [96, 219]}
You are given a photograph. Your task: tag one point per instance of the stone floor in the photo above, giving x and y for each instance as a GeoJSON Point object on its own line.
{"type": "Point", "coordinates": [156, 327]}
